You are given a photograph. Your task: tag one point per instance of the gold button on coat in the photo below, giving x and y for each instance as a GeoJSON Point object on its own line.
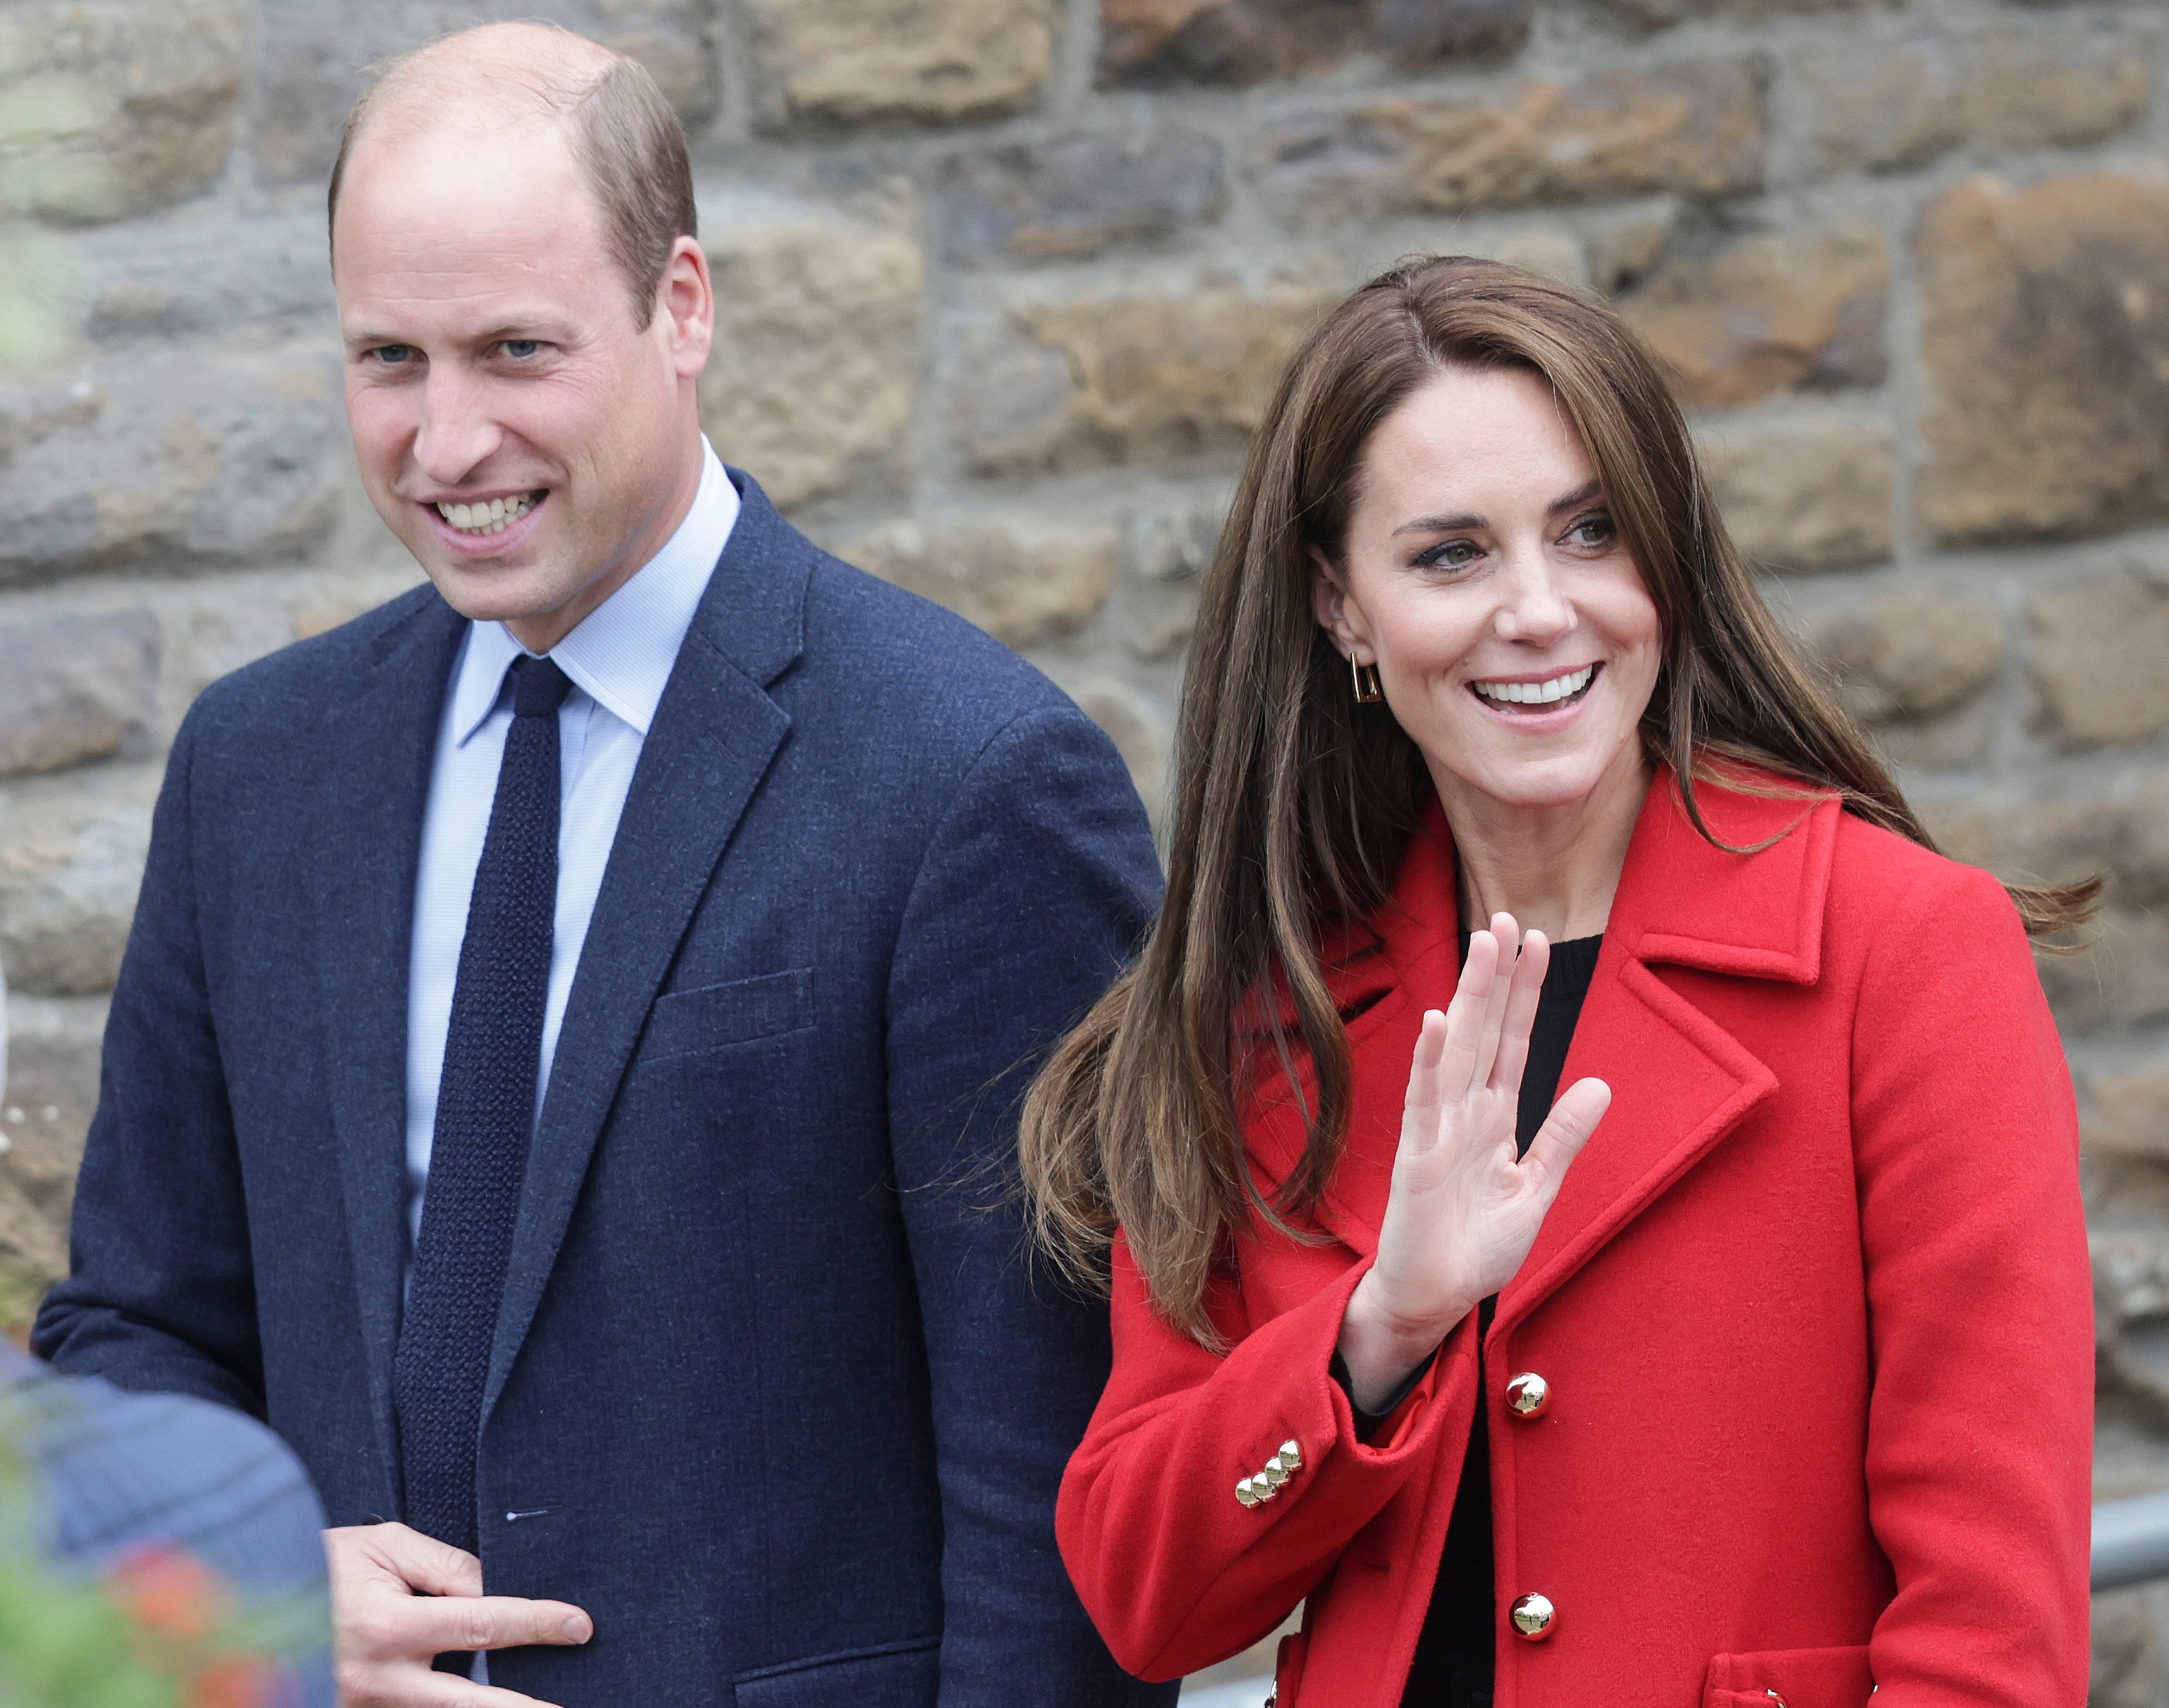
{"type": "Point", "coordinates": [1528, 1394]}
{"type": "Point", "coordinates": [1263, 1486]}
{"type": "Point", "coordinates": [1533, 1617]}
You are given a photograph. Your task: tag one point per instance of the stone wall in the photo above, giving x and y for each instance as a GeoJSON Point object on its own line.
{"type": "Point", "coordinates": [1004, 284]}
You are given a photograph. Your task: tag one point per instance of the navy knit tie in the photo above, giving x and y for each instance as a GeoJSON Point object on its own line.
{"type": "Point", "coordinates": [485, 1120]}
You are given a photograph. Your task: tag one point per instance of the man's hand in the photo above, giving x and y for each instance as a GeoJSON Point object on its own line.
{"type": "Point", "coordinates": [400, 1598]}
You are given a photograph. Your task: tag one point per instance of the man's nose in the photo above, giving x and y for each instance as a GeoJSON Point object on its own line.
{"type": "Point", "coordinates": [457, 433]}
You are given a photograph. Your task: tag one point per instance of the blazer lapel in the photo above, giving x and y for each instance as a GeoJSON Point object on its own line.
{"type": "Point", "coordinates": [715, 734]}
{"type": "Point", "coordinates": [1681, 1083]}
{"type": "Point", "coordinates": [378, 750]}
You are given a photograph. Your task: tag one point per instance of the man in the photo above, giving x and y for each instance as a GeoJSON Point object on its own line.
{"type": "Point", "coordinates": [573, 1019]}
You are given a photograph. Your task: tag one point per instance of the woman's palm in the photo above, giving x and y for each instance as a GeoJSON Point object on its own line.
{"type": "Point", "coordinates": [1465, 1208]}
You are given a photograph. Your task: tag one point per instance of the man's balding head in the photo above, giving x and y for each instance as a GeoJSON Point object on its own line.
{"type": "Point", "coordinates": [501, 196]}
{"type": "Point", "coordinates": [627, 139]}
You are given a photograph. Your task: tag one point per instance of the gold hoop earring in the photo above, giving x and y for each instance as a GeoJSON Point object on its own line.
{"type": "Point", "coordinates": [1368, 692]}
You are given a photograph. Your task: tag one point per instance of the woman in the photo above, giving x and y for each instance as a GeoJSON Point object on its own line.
{"type": "Point", "coordinates": [1782, 1388]}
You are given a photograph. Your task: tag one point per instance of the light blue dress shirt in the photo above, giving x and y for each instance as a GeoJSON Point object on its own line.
{"type": "Point", "coordinates": [620, 657]}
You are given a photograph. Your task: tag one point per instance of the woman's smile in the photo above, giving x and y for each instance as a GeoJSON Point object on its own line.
{"type": "Point", "coordinates": [1539, 701]}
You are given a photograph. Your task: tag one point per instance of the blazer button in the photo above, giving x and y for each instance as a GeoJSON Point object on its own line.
{"type": "Point", "coordinates": [1528, 1394]}
{"type": "Point", "coordinates": [1532, 1617]}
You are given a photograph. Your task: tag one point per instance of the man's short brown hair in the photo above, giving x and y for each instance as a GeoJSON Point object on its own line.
{"type": "Point", "coordinates": [624, 133]}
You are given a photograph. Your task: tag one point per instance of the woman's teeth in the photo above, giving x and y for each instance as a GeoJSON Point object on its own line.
{"type": "Point", "coordinates": [491, 517]}
{"type": "Point", "coordinates": [1537, 693]}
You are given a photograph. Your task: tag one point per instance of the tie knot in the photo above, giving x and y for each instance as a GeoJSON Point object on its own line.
{"type": "Point", "coordinates": [538, 687]}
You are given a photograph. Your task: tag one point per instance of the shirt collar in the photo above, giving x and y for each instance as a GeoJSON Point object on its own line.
{"type": "Point", "coordinates": [623, 652]}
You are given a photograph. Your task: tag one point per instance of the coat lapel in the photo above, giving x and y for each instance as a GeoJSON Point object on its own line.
{"type": "Point", "coordinates": [1680, 1081]}
{"type": "Point", "coordinates": [715, 734]}
{"type": "Point", "coordinates": [378, 751]}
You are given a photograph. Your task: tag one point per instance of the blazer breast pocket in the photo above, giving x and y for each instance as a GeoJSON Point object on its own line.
{"type": "Point", "coordinates": [717, 1016]}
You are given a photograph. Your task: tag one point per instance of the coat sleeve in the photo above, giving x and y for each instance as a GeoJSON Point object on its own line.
{"type": "Point", "coordinates": [1980, 1414]}
{"type": "Point", "coordinates": [1178, 1572]}
{"type": "Point", "coordinates": [1036, 889]}
{"type": "Point", "coordinates": [161, 1296]}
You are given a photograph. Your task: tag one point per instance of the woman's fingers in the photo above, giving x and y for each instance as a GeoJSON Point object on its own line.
{"type": "Point", "coordinates": [1420, 1118]}
{"type": "Point", "coordinates": [1464, 1017]}
{"type": "Point", "coordinates": [1528, 985]}
{"type": "Point", "coordinates": [1566, 1130]}
{"type": "Point", "coordinates": [1507, 935]}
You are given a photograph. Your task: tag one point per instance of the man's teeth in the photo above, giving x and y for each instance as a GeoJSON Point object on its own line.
{"type": "Point", "coordinates": [491, 517]}
{"type": "Point", "coordinates": [1536, 693]}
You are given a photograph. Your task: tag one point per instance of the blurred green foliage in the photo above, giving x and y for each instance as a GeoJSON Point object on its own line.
{"type": "Point", "coordinates": [161, 1629]}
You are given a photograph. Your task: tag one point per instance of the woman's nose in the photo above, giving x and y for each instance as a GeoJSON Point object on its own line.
{"type": "Point", "coordinates": [1533, 607]}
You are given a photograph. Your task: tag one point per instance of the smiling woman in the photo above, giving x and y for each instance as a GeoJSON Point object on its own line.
{"type": "Point", "coordinates": [1755, 1364]}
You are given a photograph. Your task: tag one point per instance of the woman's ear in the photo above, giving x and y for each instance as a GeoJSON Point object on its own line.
{"type": "Point", "coordinates": [1332, 605]}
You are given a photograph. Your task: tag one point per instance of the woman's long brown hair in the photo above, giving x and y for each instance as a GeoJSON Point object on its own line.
{"type": "Point", "coordinates": [1292, 808]}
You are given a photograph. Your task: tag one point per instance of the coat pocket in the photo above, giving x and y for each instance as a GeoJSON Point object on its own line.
{"type": "Point", "coordinates": [895, 1675]}
{"type": "Point", "coordinates": [1287, 1670]}
{"type": "Point", "coordinates": [687, 1023]}
{"type": "Point", "coordinates": [1834, 1677]}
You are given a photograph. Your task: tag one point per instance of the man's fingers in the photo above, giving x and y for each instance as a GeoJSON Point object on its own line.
{"type": "Point", "coordinates": [450, 1622]}
{"type": "Point", "coordinates": [446, 1690]}
{"type": "Point", "coordinates": [420, 1562]}
{"type": "Point", "coordinates": [1566, 1130]}
{"type": "Point", "coordinates": [1513, 1055]}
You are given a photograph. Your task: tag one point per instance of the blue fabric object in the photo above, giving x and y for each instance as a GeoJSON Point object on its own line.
{"type": "Point", "coordinates": [620, 656]}
{"type": "Point", "coordinates": [776, 1393]}
{"type": "Point", "coordinates": [485, 1120]}
{"type": "Point", "coordinates": [120, 1471]}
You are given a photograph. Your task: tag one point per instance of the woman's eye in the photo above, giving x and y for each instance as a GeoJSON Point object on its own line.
{"type": "Point", "coordinates": [1449, 554]}
{"type": "Point", "coordinates": [520, 349]}
{"type": "Point", "coordinates": [1595, 530]}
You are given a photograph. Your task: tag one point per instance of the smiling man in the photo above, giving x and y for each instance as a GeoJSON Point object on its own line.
{"type": "Point", "coordinates": [569, 1042]}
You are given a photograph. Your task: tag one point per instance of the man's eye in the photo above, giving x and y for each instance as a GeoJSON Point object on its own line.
{"type": "Point", "coordinates": [393, 355]}
{"type": "Point", "coordinates": [520, 349]}
{"type": "Point", "coordinates": [1449, 554]}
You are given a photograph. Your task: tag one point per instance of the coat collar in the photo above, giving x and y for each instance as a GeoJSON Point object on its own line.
{"type": "Point", "coordinates": [1681, 1082]}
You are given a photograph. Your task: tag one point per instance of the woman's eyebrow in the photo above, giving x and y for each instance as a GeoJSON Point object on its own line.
{"type": "Point", "coordinates": [1451, 524]}
{"type": "Point", "coordinates": [1437, 524]}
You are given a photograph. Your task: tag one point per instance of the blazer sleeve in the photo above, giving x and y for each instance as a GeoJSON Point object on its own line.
{"type": "Point", "coordinates": [161, 1296]}
{"type": "Point", "coordinates": [1035, 889]}
{"type": "Point", "coordinates": [1177, 1570]}
{"type": "Point", "coordinates": [1980, 1413]}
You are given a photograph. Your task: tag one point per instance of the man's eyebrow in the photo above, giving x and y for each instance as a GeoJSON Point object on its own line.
{"type": "Point", "coordinates": [536, 327]}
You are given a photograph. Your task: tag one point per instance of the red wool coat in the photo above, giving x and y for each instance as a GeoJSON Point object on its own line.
{"type": "Point", "coordinates": [1813, 1309]}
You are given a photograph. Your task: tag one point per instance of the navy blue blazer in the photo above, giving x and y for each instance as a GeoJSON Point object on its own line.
{"type": "Point", "coordinates": [775, 1393]}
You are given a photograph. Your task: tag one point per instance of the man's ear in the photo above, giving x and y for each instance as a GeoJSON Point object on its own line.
{"type": "Point", "coordinates": [1331, 604]}
{"type": "Point", "coordinates": [686, 304]}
